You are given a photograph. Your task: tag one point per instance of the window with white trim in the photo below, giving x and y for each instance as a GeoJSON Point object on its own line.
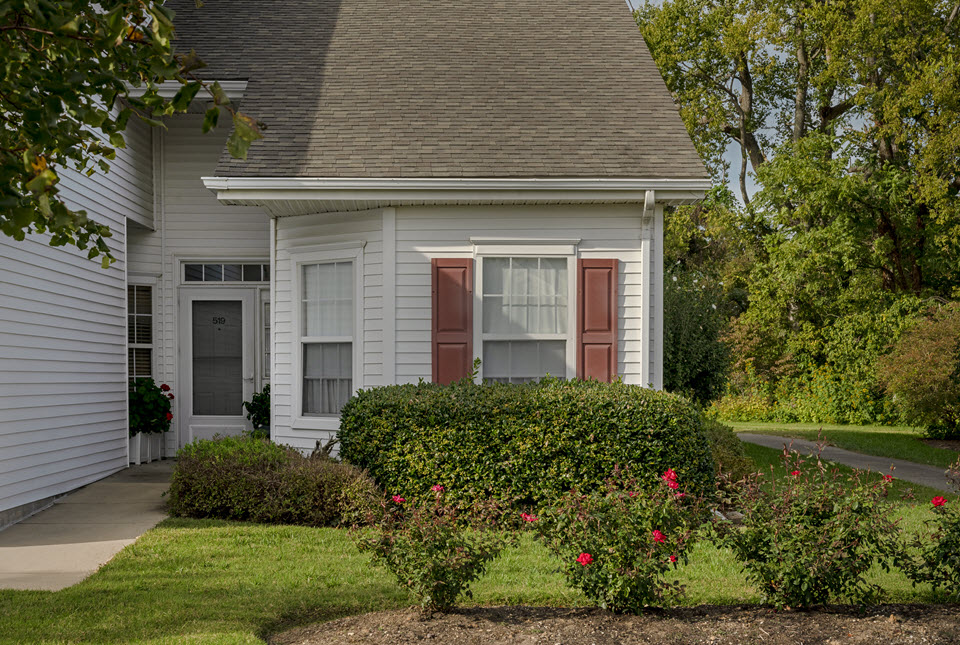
{"type": "Point", "coordinates": [327, 329]}
{"type": "Point", "coordinates": [139, 331]}
{"type": "Point", "coordinates": [525, 318]}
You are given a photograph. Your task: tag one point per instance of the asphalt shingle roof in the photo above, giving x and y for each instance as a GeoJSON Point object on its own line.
{"type": "Point", "coordinates": [442, 88]}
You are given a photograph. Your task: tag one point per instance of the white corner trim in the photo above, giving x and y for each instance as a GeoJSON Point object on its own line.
{"type": "Point", "coordinates": [649, 203]}
{"type": "Point", "coordinates": [168, 89]}
{"type": "Point", "coordinates": [399, 191]}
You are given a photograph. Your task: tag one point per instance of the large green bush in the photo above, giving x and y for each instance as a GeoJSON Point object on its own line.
{"type": "Point", "coordinates": [522, 444]}
{"type": "Point", "coordinates": [250, 479]}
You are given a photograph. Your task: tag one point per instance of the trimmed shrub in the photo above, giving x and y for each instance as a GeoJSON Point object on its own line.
{"type": "Point", "coordinates": [249, 479]}
{"type": "Point", "coordinates": [729, 457]}
{"type": "Point", "coordinates": [617, 545]}
{"type": "Point", "coordinates": [521, 444]}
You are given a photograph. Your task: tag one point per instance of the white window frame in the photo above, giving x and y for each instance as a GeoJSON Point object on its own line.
{"type": "Point", "coordinates": [144, 281]}
{"type": "Point", "coordinates": [351, 252]}
{"type": "Point", "coordinates": [519, 248]}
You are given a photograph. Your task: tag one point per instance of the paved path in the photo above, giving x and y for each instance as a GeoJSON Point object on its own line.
{"type": "Point", "coordinates": [932, 476]}
{"type": "Point", "coordinates": [65, 543]}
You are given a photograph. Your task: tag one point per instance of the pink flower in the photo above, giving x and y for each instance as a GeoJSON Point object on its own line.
{"type": "Point", "coordinates": [669, 475]}
{"type": "Point", "coordinates": [659, 537]}
{"type": "Point", "coordinates": [437, 488]}
{"type": "Point", "coordinates": [938, 501]}
{"type": "Point", "coordinates": [529, 518]}
{"type": "Point", "coordinates": [673, 559]}
{"type": "Point", "coordinates": [673, 485]}
{"type": "Point", "coordinates": [584, 559]}
{"type": "Point", "coordinates": [398, 499]}
{"type": "Point", "coordinates": [888, 478]}
{"type": "Point", "coordinates": [165, 387]}
{"type": "Point", "coordinates": [795, 473]}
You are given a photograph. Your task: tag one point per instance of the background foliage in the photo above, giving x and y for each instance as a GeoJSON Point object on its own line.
{"type": "Point", "coordinates": [838, 123]}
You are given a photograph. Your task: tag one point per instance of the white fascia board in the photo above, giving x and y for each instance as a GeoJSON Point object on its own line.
{"type": "Point", "coordinates": [266, 189]}
{"type": "Point", "coordinates": [168, 89]}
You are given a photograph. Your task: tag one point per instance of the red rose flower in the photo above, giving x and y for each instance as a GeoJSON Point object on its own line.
{"type": "Point", "coordinates": [398, 499]}
{"type": "Point", "coordinates": [165, 387]}
{"type": "Point", "coordinates": [585, 559]}
{"type": "Point", "coordinates": [659, 537]}
{"type": "Point", "coordinates": [169, 417]}
{"type": "Point", "coordinates": [673, 559]}
{"type": "Point", "coordinates": [170, 396]}
{"type": "Point", "coordinates": [529, 518]}
{"type": "Point", "coordinates": [669, 475]}
{"type": "Point", "coordinates": [437, 488]}
{"type": "Point", "coordinates": [888, 478]}
{"type": "Point", "coordinates": [795, 473]}
{"type": "Point", "coordinates": [673, 485]}
{"type": "Point", "coordinates": [938, 501]}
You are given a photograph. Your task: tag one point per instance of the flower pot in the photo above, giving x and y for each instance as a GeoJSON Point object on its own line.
{"type": "Point", "coordinates": [145, 448]}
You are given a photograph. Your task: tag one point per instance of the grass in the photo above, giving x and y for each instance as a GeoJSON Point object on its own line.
{"type": "Point", "coordinates": [202, 581]}
{"type": "Point", "coordinates": [899, 442]}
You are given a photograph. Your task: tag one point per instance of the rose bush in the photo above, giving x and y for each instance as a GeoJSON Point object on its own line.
{"type": "Point", "coordinates": [618, 544]}
{"type": "Point", "coordinates": [812, 536]}
{"type": "Point", "coordinates": [935, 555]}
{"type": "Point", "coordinates": [435, 548]}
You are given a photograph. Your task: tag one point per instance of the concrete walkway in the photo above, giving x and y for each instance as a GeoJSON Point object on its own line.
{"type": "Point", "coordinates": [62, 545]}
{"type": "Point", "coordinates": [932, 476]}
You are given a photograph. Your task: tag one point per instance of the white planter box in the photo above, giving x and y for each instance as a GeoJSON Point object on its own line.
{"type": "Point", "coordinates": [145, 448]}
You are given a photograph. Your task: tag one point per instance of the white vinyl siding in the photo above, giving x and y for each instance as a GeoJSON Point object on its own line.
{"type": "Point", "coordinates": [191, 226]}
{"type": "Point", "coordinates": [334, 236]}
{"type": "Point", "coordinates": [63, 340]}
{"type": "Point", "coordinates": [604, 231]}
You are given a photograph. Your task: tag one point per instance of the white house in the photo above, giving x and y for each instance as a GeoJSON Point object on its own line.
{"type": "Point", "coordinates": [438, 183]}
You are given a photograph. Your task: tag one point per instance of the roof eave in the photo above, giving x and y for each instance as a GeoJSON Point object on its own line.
{"type": "Point", "coordinates": [282, 196]}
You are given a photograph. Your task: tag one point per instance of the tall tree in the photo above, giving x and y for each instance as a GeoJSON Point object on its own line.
{"type": "Point", "coordinates": [72, 75]}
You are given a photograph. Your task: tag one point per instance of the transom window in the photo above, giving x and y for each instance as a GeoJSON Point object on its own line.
{"type": "Point", "coordinates": [226, 272]}
{"type": "Point", "coordinates": [525, 318]}
{"type": "Point", "coordinates": [327, 329]}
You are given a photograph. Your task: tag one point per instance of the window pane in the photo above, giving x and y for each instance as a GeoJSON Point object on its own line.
{"type": "Point", "coordinates": [266, 272]}
{"type": "Point", "coordinates": [144, 300]}
{"type": "Point", "coordinates": [525, 295]}
{"type": "Point", "coordinates": [327, 377]}
{"type": "Point", "coordinates": [194, 272]}
{"type": "Point", "coordinates": [232, 273]}
{"type": "Point", "coordinates": [140, 363]}
{"type": "Point", "coordinates": [213, 273]}
{"type": "Point", "coordinates": [328, 299]}
{"type": "Point", "coordinates": [523, 361]}
{"type": "Point", "coordinates": [251, 273]}
{"type": "Point", "coordinates": [141, 330]}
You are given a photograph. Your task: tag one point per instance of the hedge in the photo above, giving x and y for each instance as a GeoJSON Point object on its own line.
{"type": "Point", "coordinates": [251, 479]}
{"type": "Point", "coordinates": [522, 444]}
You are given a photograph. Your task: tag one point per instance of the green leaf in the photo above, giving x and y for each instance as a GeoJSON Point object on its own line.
{"type": "Point", "coordinates": [210, 119]}
{"type": "Point", "coordinates": [219, 96]}
{"type": "Point", "coordinates": [41, 183]}
{"type": "Point", "coordinates": [185, 96]}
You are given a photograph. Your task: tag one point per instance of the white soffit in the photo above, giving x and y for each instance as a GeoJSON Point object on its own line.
{"type": "Point", "coordinates": [284, 196]}
{"type": "Point", "coordinates": [168, 89]}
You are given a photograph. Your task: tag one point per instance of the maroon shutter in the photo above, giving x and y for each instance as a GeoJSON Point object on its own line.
{"type": "Point", "coordinates": [597, 319]}
{"type": "Point", "coordinates": [452, 319]}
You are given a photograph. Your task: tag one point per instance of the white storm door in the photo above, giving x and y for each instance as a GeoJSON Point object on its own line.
{"type": "Point", "coordinates": [217, 361]}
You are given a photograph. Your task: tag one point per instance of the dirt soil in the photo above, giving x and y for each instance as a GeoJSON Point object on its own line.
{"type": "Point", "coordinates": [688, 626]}
{"type": "Point", "coordinates": [946, 444]}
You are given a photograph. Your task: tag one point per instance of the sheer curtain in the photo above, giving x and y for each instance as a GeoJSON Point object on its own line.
{"type": "Point", "coordinates": [523, 297]}
{"type": "Point", "coordinates": [327, 333]}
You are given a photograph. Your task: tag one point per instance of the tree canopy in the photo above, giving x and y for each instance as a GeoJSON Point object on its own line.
{"type": "Point", "coordinates": [72, 75]}
{"type": "Point", "coordinates": [846, 116]}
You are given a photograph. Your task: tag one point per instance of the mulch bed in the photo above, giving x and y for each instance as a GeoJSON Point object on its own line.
{"type": "Point", "coordinates": [946, 444]}
{"type": "Point", "coordinates": [712, 625]}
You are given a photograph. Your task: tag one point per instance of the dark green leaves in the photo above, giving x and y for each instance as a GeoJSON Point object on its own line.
{"type": "Point", "coordinates": [245, 132]}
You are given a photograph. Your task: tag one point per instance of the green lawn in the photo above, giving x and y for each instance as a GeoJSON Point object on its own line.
{"type": "Point", "coordinates": [191, 581]}
{"type": "Point", "coordinates": [899, 442]}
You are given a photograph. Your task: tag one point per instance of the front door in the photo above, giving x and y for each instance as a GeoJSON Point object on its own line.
{"type": "Point", "coordinates": [218, 360]}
